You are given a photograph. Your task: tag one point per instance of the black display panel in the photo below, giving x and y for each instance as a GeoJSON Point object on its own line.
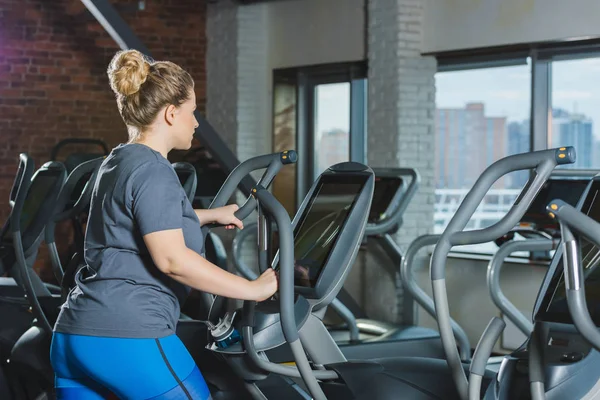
{"type": "Point", "coordinates": [385, 189]}
{"type": "Point", "coordinates": [554, 307]}
{"type": "Point", "coordinates": [318, 228]}
{"type": "Point", "coordinates": [568, 190]}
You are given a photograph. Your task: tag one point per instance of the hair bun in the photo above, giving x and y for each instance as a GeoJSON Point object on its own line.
{"type": "Point", "coordinates": [127, 72]}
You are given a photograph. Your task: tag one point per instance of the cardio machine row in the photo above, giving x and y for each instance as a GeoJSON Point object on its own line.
{"type": "Point", "coordinates": [356, 182]}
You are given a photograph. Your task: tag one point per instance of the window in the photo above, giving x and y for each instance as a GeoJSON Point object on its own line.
{"type": "Point", "coordinates": [493, 103]}
{"type": "Point", "coordinates": [332, 126]}
{"type": "Point", "coordinates": [482, 115]}
{"type": "Point", "coordinates": [320, 111]}
{"type": "Point", "coordinates": [575, 111]}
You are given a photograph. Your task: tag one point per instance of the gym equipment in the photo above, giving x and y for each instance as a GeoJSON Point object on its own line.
{"type": "Point", "coordinates": [73, 201]}
{"type": "Point", "coordinates": [561, 358]}
{"type": "Point", "coordinates": [28, 368]}
{"type": "Point", "coordinates": [312, 281]}
{"type": "Point", "coordinates": [12, 304]}
{"type": "Point", "coordinates": [541, 234]}
{"type": "Point", "coordinates": [74, 159]}
{"type": "Point", "coordinates": [360, 337]}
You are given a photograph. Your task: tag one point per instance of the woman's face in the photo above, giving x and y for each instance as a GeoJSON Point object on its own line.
{"type": "Point", "coordinates": [185, 124]}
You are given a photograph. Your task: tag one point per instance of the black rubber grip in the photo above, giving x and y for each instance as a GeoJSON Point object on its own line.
{"type": "Point", "coordinates": [248, 313]}
{"type": "Point", "coordinates": [289, 157]}
{"type": "Point", "coordinates": [565, 155]}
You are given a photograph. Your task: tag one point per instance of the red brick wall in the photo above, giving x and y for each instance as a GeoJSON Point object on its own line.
{"type": "Point", "coordinates": [53, 82]}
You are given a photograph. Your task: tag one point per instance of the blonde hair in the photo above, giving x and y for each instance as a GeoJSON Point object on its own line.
{"type": "Point", "coordinates": [143, 87]}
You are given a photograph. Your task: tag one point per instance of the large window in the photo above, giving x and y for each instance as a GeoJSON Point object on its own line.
{"type": "Point", "coordinates": [488, 107]}
{"type": "Point", "coordinates": [482, 115]}
{"type": "Point", "coordinates": [576, 109]}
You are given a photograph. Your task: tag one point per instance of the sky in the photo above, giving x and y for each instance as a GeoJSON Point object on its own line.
{"type": "Point", "coordinates": [506, 91]}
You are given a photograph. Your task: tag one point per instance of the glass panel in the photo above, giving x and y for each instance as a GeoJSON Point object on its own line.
{"type": "Point", "coordinates": [575, 109]}
{"type": "Point", "coordinates": [332, 125]}
{"type": "Point", "coordinates": [481, 116]}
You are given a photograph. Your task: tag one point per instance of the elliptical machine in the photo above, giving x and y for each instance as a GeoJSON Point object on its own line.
{"type": "Point", "coordinates": [293, 319]}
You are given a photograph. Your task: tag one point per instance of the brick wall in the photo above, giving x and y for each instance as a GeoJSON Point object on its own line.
{"type": "Point", "coordinates": [53, 83]}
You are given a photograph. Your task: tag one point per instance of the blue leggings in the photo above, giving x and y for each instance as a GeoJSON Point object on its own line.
{"type": "Point", "coordinates": [92, 368]}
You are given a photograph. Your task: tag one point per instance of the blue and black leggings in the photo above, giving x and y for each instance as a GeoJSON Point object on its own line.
{"type": "Point", "coordinates": [91, 367]}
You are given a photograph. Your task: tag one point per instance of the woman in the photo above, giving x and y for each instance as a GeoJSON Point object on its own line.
{"type": "Point", "coordinates": [143, 248]}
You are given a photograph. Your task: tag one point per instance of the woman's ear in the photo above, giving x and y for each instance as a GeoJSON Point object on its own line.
{"type": "Point", "coordinates": [170, 113]}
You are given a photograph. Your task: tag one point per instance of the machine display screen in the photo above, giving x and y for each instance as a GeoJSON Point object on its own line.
{"type": "Point", "coordinates": [554, 307]}
{"type": "Point", "coordinates": [323, 219]}
{"type": "Point", "coordinates": [384, 192]}
{"type": "Point", "coordinates": [568, 190]}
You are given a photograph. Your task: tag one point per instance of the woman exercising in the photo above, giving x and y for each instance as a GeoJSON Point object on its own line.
{"type": "Point", "coordinates": [115, 335]}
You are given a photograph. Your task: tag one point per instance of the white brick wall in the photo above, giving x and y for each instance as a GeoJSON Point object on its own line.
{"type": "Point", "coordinates": [253, 82]}
{"type": "Point", "coordinates": [400, 125]}
{"type": "Point", "coordinates": [221, 69]}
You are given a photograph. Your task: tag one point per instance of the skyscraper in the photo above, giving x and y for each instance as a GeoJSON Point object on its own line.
{"type": "Point", "coordinates": [467, 143]}
{"type": "Point", "coordinates": [518, 141]}
{"type": "Point", "coordinates": [573, 129]}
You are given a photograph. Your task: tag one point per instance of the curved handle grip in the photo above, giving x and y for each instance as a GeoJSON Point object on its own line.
{"type": "Point", "coordinates": [395, 215]}
{"type": "Point", "coordinates": [286, 287]}
{"type": "Point", "coordinates": [238, 241]}
{"type": "Point", "coordinates": [543, 162]}
{"type": "Point", "coordinates": [23, 177]}
{"type": "Point", "coordinates": [273, 163]}
{"type": "Point", "coordinates": [482, 354]}
{"type": "Point", "coordinates": [569, 218]}
{"type": "Point", "coordinates": [493, 278]}
{"type": "Point", "coordinates": [243, 169]}
{"type": "Point", "coordinates": [406, 273]}
{"type": "Point", "coordinates": [61, 214]}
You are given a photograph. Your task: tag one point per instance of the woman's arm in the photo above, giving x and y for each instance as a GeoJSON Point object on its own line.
{"type": "Point", "coordinates": [206, 216]}
{"type": "Point", "coordinates": [222, 215]}
{"type": "Point", "coordinates": [171, 256]}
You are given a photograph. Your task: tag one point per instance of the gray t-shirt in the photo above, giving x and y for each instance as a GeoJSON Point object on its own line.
{"type": "Point", "coordinates": [120, 292]}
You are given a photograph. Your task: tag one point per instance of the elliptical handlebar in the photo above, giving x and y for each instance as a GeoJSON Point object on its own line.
{"type": "Point", "coordinates": [237, 246]}
{"type": "Point", "coordinates": [272, 162]}
{"type": "Point", "coordinates": [544, 163]}
{"type": "Point", "coordinates": [570, 220]}
{"type": "Point", "coordinates": [286, 291]}
{"type": "Point", "coordinates": [493, 278]}
{"type": "Point", "coordinates": [410, 284]}
{"type": "Point", "coordinates": [61, 214]}
{"type": "Point", "coordinates": [395, 216]}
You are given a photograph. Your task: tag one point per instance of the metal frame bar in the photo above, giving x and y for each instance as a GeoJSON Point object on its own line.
{"type": "Point", "coordinates": [541, 89]}
{"type": "Point", "coordinates": [117, 28]}
{"type": "Point", "coordinates": [358, 120]}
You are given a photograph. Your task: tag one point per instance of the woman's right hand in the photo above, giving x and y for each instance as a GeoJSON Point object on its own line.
{"type": "Point", "coordinates": [265, 285]}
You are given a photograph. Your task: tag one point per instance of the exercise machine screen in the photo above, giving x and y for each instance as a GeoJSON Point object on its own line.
{"type": "Point", "coordinates": [385, 190]}
{"type": "Point", "coordinates": [568, 190]}
{"type": "Point", "coordinates": [318, 229]}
